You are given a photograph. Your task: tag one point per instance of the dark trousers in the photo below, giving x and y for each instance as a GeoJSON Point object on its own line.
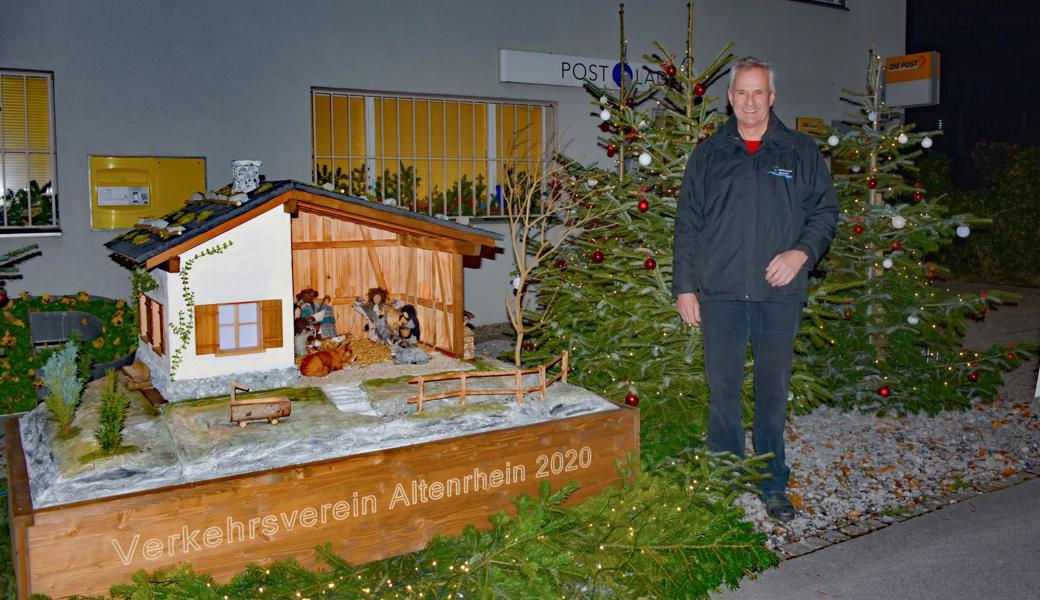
{"type": "Point", "coordinates": [771, 327]}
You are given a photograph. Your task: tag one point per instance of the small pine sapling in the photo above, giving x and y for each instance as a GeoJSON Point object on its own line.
{"type": "Point", "coordinates": [111, 414]}
{"type": "Point", "coordinates": [60, 376]}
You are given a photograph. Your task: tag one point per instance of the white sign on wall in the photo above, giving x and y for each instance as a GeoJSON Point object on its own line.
{"type": "Point", "coordinates": [516, 66]}
{"type": "Point", "coordinates": [122, 195]}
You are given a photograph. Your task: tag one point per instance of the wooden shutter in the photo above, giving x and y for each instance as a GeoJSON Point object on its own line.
{"type": "Point", "coordinates": [162, 330]}
{"type": "Point", "coordinates": [271, 323]}
{"type": "Point", "coordinates": [149, 333]}
{"type": "Point", "coordinates": [143, 316]}
{"type": "Point", "coordinates": [206, 333]}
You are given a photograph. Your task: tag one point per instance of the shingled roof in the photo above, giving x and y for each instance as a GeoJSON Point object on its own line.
{"type": "Point", "coordinates": [146, 241]}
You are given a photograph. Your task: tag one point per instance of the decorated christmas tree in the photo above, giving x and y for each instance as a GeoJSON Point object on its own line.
{"type": "Point", "coordinates": [607, 296]}
{"type": "Point", "coordinates": [885, 331]}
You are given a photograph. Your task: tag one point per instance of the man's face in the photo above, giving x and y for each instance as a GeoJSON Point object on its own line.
{"type": "Point", "coordinates": [751, 97]}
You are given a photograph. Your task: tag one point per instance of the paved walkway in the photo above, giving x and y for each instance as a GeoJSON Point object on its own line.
{"type": "Point", "coordinates": [985, 547]}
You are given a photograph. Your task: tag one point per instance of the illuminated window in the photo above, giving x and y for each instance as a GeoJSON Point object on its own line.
{"type": "Point", "coordinates": [27, 153]}
{"type": "Point", "coordinates": [238, 326]}
{"type": "Point", "coordinates": [429, 154]}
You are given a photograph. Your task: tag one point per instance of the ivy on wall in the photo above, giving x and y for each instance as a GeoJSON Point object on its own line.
{"type": "Point", "coordinates": [186, 318]}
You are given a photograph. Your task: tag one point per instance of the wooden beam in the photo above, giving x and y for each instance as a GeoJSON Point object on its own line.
{"type": "Point", "coordinates": [376, 267]}
{"type": "Point", "coordinates": [458, 305]}
{"type": "Point", "coordinates": [290, 207]}
{"type": "Point", "coordinates": [440, 245]}
{"type": "Point", "coordinates": [172, 266]}
{"type": "Point", "coordinates": [389, 219]}
{"type": "Point", "coordinates": [209, 234]}
{"type": "Point", "coordinates": [343, 244]}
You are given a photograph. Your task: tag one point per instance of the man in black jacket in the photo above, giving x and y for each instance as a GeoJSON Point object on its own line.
{"type": "Point", "coordinates": [756, 211]}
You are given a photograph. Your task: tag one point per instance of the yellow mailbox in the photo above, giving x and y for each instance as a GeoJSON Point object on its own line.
{"type": "Point", "coordinates": [124, 189]}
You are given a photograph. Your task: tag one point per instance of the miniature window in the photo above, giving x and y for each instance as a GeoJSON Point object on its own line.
{"type": "Point", "coordinates": [27, 183]}
{"type": "Point", "coordinates": [429, 154]}
{"type": "Point", "coordinates": [238, 326]}
{"type": "Point", "coordinates": [152, 324]}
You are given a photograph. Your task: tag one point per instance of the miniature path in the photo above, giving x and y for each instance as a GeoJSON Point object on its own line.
{"type": "Point", "coordinates": [979, 545]}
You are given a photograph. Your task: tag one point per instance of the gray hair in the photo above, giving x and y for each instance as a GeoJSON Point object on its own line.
{"type": "Point", "coordinates": [750, 62]}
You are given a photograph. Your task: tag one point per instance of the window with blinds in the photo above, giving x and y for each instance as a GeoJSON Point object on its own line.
{"type": "Point", "coordinates": [27, 152]}
{"type": "Point", "coordinates": [428, 154]}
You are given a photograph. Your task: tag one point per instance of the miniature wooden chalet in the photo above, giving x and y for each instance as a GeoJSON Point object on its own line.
{"type": "Point", "coordinates": [285, 236]}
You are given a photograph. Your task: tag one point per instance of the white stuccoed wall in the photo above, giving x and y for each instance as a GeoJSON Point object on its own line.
{"type": "Point", "coordinates": [257, 266]}
{"type": "Point", "coordinates": [229, 80]}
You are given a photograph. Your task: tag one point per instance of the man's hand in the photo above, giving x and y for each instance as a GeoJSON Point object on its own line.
{"type": "Point", "coordinates": [784, 266]}
{"type": "Point", "coordinates": [689, 308]}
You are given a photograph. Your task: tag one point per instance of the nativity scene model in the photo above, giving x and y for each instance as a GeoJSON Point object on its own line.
{"type": "Point", "coordinates": [300, 379]}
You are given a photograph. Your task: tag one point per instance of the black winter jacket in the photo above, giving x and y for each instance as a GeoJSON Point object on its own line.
{"type": "Point", "coordinates": [736, 211]}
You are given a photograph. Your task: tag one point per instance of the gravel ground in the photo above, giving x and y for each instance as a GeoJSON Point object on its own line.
{"type": "Point", "coordinates": [854, 472]}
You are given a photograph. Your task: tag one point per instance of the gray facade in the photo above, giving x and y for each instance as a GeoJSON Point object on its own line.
{"type": "Point", "coordinates": [229, 80]}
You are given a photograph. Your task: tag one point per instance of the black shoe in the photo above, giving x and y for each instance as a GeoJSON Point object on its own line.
{"type": "Point", "coordinates": [779, 507]}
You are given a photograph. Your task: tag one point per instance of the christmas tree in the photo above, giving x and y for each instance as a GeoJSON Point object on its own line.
{"type": "Point", "coordinates": [607, 296]}
{"type": "Point", "coordinates": [885, 333]}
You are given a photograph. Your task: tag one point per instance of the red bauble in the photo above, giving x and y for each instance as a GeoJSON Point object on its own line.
{"type": "Point", "coordinates": [528, 346]}
{"type": "Point", "coordinates": [598, 256]}
{"type": "Point", "coordinates": [884, 391]}
{"type": "Point", "coordinates": [650, 264]}
{"type": "Point", "coordinates": [858, 229]}
{"type": "Point", "coordinates": [871, 183]}
{"type": "Point", "coordinates": [1011, 356]}
{"type": "Point", "coordinates": [644, 206]}
{"type": "Point", "coordinates": [611, 148]}
{"type": "Point", "coordinates": [632, 136]}
{"type": "Point", "coordinates": [670, 69]}
{"type": "Point", "coordinates": [973, 376]}
{"type": "Point", "coordinates": [630, 102]}
{"type": "Point", "coordinates": [604, 127]}
{"type": "Point", "coordinates": [983, 293]}
{"type": "Point", "coordinates": [918, 196]}
{"type": "Point", "coordinates": [699, 89]}
{"type": "Point", "coordinates": [848, 314]}
{"type": "Point", "coordinates": [4, 298]}
{"type": "Point", "coordinates": [919, 185]}
{"type": "Point", "coordinates": [561, 264]}
{"type": "Point", "coordinates": [896, 246]}
{"type": "Point", "coordinates": [631, 399]}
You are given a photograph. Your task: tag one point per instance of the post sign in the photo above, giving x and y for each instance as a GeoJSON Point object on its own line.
{"type": "Point", "coordinates": [912, 80]}
{"type": "Point", "coordinates": [516, 66]}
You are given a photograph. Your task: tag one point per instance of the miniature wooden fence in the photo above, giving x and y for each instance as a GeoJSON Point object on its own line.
{"type": "Point", "coordinates": [519, 390]}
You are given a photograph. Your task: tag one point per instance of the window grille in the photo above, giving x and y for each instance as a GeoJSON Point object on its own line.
{"type": "Point", "coordinates": [430, 154]}
{"type": "Point", "coordinates": [27, 159]}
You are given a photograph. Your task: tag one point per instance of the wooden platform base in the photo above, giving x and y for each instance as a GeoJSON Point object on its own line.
{"type": "Point", "coordinates": [370, 506]}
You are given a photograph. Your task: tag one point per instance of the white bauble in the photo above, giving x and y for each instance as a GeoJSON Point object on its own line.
{"type": "Point", "coordinates": [926, 142]}
{"type": "Point", "coordinates": [963, 231]}
{"type": "Point", "coordinates": [644, 159]}
{"type": "Point", "coordinates": [593, 183]}
{"type": "Point", "coordinates": [872, 116]}
{"type": "Point", "coordinates": [913, 320]}
{"type": "Point", "coordinates": [642, 124]}
{"type": "Point", "coordinates": [516, 283]}
{"type": "Point", "coordinates": [604, 114]}
{"type": "Point", "coordinates": [899, 221]}
{"type": "Point", "coordinates": [887, 263]}
{"type": "Point", "coordinates": [602, 99]}
{"type": "Point", "coordinates": [833, 140]}
{"type": "Point", "coordinates": [856, 168]}
{"type": "Point", "coordinates": [903, 138]}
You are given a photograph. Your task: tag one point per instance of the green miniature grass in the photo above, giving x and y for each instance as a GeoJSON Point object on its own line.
{"type": "Point", "coordinates": [454, 410]}
{"type": "Point", "coordinates": [100, 454]}
{"type": "Point", "coordinates": [898, 512]}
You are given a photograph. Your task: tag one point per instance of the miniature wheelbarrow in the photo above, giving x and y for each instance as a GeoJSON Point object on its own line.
{"type": "Point", "coordinates": [267, 408]}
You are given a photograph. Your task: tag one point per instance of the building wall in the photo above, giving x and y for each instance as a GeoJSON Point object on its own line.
{"type": "Point", "coordinates": [257, 266]}
{"type": "Point", "coordinates": [229, 80]}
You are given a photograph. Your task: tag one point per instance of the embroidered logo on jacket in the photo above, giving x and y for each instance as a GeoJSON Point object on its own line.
{"type": "Point", "coordinates": [785, 173]}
